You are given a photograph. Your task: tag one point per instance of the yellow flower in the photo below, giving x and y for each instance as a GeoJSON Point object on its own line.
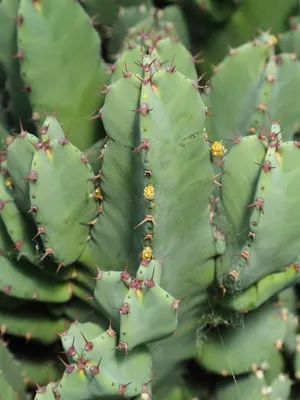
{"type": "Point", "coordinates": [8, 182]}
{"type": "Point", "coordinates": [273, 40]}
{"type": "Point", "coordinates": [147, 253]}
{"type": "Point", "coordinates": [218, 149]}
{"type": "Point", "coordinates": [149, 192]}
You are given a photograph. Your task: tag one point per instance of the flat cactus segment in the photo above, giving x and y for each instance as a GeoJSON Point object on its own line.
{"type": "Point", "coordinates": [72, 51]}
{"type": "Point", "coordinates": [241, 173]}
{"type": "Point", "coordinates": [64, 222]}
{"type": "Point", "coordinates": [10, 375]}
{"type": "Point", "coordinates": [236, 113]}
{"type": "Point", "coordinates": [263, 341]}
{"type": "Point", "coordinates": [9, 57]}
{"type": "Point", "coordinates": [281, 388]}
{"type": "Point", "coordinates": [19, 158]}
{"type": "Point", "coordinates": [114, 239]}
{"type": "Point", "coordinates": [174, 129]}
{"type": "Point", "coordinates": [261, 291]}
{"type": "Point", "coordinates": [31, 324]}
{"type": "Point", "coordinates": [289, 42]}
{"type": "Point", "coordinates": [286, 88]}
{"type": "Point", "coordinates": [171, 51]}
{"type": "Point", "coordinates": [143, 323]}
{"type": "Point", "coordinates": [278, 207]}
{"type": "Point", "coordinates": [249, 387]}
{"type": "Point", "coordinates": [17, 225]}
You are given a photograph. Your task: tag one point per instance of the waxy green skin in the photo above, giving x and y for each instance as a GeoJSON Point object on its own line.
{"type": "Point", "coordinates": [70, 240]}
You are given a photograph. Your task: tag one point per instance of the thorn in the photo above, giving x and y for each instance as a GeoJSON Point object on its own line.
{"type": "Point", "coordinates": [95, 369]}
{"type": "Point", "coordinates": [124, 309]}
{"type": "Point", "coordinates": [144, 109]}
{"type": "Point", "coordinates": [90, 223]}
{"type": "Point", "coordinates": [99, 276]}
{"type": "Point", "coordinates": [126, 74]}
{"type": "Point", "coordinates": [40, 389]}
{"type": "Point", "coordinates": [95, 177]}
{"type": "Point", "coordinates": [245, 254]}
{"type": "Point", "coordinates": [71, 351]}
{"type": "Point", "coordinates": [32, 176]}
{"type": "Point", "coordinates": [150, 283]}
{"type": "Point", "coordinates": [149, 218]}
{"type": "Point", "coordinates": [107, 89]}
{"type": "Point", "coordinates": [41, 231]}
{"type": "Point", "coordinates": [69, 367]}
{"type": "Point", "coordinates": [33, 209]}
{"type": "Point", "coordinates": [110, 330]}
{"type": "Point", "coordinates": [124, 274]}
{"type": "Point", "coordinates": [145, 144]}
{"type": "Point", "coordinates": [19, 55]}
{"type": "Point", "coordinates": [236, 139]}
{"type": "Point", "coordinates": [216, 182]}
{"type": "Point", "coordinates": [18, 245]}
{"type": "Point", "coordinates": [49, 251]}
{"type": "Point", "coordinates": [196, 83]}
{"type": "Point", "coordinates": [258, 203]}
{"type": "Point", "coordinates": [195, 59]}
{"type": "Point", "coordinates": [176, 303]}
{"type": "Point", "coordinates": [64, 140]}
{"type": "Point", "coordinates": [60, 265]}
{"type": "Point", "coordinates": [266, 166]}
{"type": "Point", "coordinates": [88, 345]}
{"type": "Point", "coordinates": [84, 158]}
{"type": "Point", "coordinates": [122, 387]}
{"type": "Point", "coordinates": [98, 115]}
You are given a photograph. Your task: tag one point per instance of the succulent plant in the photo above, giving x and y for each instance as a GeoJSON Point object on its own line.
{"type": "Point", "coordinates": [155, 224]}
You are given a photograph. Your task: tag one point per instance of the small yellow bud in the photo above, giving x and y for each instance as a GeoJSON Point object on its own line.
{"type": "Point", "coordinates": [218, 149]}
{"type": "Point", "coordinates": [273, 40]}
{"type": "Point", "coordinates": [149, 192]}
{"type": "Point", "coordinates": [147, 253]}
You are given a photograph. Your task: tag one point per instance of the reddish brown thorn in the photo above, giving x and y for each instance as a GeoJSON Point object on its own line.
{"type": "Point", "coordinates": [136, 283]}
{"type": "Point", "coordinates": [145, 144]}
{"type": "Point", "coordinates": [245, 254]}
{"type": "Point", "coordinates": [64, 140]}
{"type": "Point", "coordinates": [144, 390]}
{"type": "Point", "coordinates": [149, 283]}
{"type": "Point", "coordinates": [84, 158]}
{"type": "Point", "coordinates": [19, 19]}
{"type": "Point", "coordinates": [71, 351]}
{"type": "Point", "coordinates": [95, 177]}
{"type": "Point", "coordinates": [195, 59]}
{"type": "Point", "coordinates": [176, 303]}
{"type": "Point", "coordinates": [275, 122]}
{"type": "Point", "coordinates": [69, 367]}
{"type": "Point", "coordinates": [124, 309]}
{"type": "Point", "coordinates": [146, 67]}
{"type": "Point", "coordinates": [32, 176]}
{"type": "Point", "coordinates": [110, 330]}
{"type": "Point", "coordinates": [99, 275]}
{"type": "Point", "coordinates": [6, 289]}
{"type": "Point", "coordinates": [258, 203]}
{"type": "Point", "coordinates": [88, 345]}
{"type": "Point", "coordinates": [297, 143]}
{"type": "Point", "coordinates": [216, 182]}
{"type": "Point", "coordinates": [92, 20]}
{"type": "Point", "coordinates": [98, 115]}
{"type": "Point", "coordinates": [19, 55]}
{"type": "Point", "coordinates": [18, 245]}
{"type": "Point", "coordinates": [61, 334]}
{"type": "Point", "coordinates": [22, 133]}
{"type": "Point", "coordinates": [266, 166]}
{"type": "Point", "coordinates": [171, 68]}
{"type": "Point", "coordinates": [122, 346]}
{"type": "Point", "coordinates": [95, 369]}
{"type": "Point", "coordinates": [107, 89]}
{"type": "Point", "coordinates": [196, 83]}
{"type": "Point", "coordinates": [124, 274]}
{"type": "Point", "coordinates": [123, 387]}
{"type": "Point", "coordinates": [126, 74]}
{"type": "Point", "coordinates": [236, 139]}
{"type": "Point", "coordinates": [33, 209]}
{"type": "Point", "coordinates": [49, 251]}
{"type": "Point", "coordinates": [2, 203]}
{"type": "Point", "coordinates": [149, 218]}
{"type": "Point", "coordinates": [101, 155]}
{"type": "Point", "coordinates": [207, 113]}
{"type": "Point", "coordinates": [144, 81]}
{"type": "Point", "coordinates": [40, 389]}
{"type": "Point", "coordinates": [41, 231]}
{"type": "Point", "coordinates": [60, 265]}
{"type": "Point", "coordinates": [144, 109]}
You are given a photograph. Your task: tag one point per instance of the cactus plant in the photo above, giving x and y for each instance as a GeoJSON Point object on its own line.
{"type": "Point", "coordinates": [156, 241]}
